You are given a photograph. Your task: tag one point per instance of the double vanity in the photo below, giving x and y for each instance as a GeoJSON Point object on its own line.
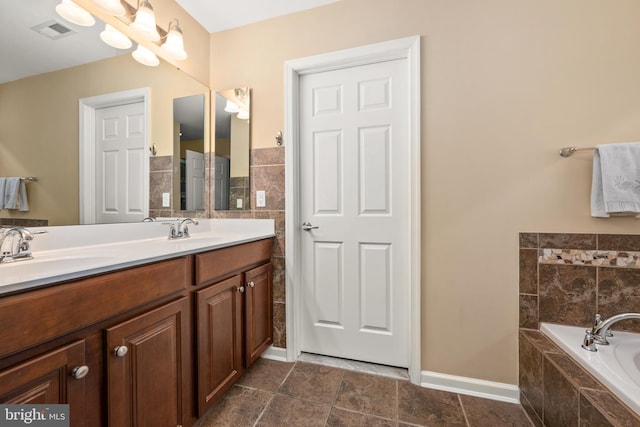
{"type": "Point", "coordinates": [131, 328]}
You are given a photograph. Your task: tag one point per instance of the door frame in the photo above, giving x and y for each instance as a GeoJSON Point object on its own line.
{"type": "Point", "coordinates": [87, 145]}
{"type": "Point", "coordinates": [406, 48]}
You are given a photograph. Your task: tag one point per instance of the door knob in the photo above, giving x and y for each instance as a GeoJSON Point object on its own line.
{"type": "Point", "coordinates": [80, 372]}
{"type": "Point", "coordinates": [121, 351]}
{"type": "Point", "coordinates": [241, 289]}
{"type": "Point", "coordinates": [251, 284]}
{"type": "Point", "coordinates": [306, 226]}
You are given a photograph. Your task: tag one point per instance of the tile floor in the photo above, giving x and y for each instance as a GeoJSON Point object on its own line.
{"type": "Point", "coordinates": [274, 393]}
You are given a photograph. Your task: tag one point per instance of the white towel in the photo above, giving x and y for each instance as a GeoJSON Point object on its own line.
{"type": "Point", "coordinates": [615, 185]}
{"type": "Point", "coordinates": [2, 185]}
{"type": "Point", "coordinates": [15, 194]}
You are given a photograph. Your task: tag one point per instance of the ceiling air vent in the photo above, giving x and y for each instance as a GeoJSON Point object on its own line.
{"type": "Point", "coordinates": [53, 29]}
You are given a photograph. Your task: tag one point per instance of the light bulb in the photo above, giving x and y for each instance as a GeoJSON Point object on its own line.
{"type": "Point", "coordinates": [75, 14]}
{"type": "Point", "coordinates": [173, 47]}
{"type": "Point", "coordinates": [112, 7]}
{"type": "Point", "coordinates": [231, 107]}
{"type": "Point", "coordinates": [145, 23]}
{"type": "Point", "coordinates": [115, 38]}
{"type": "Point", "coordinates": [145, 56]}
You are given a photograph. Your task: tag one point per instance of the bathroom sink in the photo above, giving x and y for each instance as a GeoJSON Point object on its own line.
{"type": "Point", "coordinates": [199, 238]}
{"type": "Point", "coordinates": [62, 262]}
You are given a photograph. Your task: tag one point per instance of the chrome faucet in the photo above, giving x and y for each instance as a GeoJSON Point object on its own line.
{"type": "Point", "coordinates": [182, 232]}
{"type": "Point", "coordinates": [10, 250]}
{"type": "Point", "coordinates": [600, 331]}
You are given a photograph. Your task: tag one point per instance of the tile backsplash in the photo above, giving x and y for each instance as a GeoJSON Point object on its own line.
{"type": "Point", "coordinates": [567, 278]}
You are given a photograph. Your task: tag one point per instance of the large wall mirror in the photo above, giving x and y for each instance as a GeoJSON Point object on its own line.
{"type": "Point", "coordinates": [41, 85]}
{"type": "Point", "coordinates": [232, 142]}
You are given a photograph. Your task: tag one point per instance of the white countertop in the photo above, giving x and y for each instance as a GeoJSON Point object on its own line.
{"type": "Point", "coordinates": [72, 252]}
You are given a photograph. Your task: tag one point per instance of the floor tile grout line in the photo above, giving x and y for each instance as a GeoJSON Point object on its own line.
{"type": "Point", "coordinates": [397, 408]}
{"type": "Point", "coordinates": [335, 396]}
{"type": "Point", "coordinates": [464, 413]}
{"type": "Point", "coordinates": [368, 414]}
{"type": "Point", "coordinates": [263, 410]}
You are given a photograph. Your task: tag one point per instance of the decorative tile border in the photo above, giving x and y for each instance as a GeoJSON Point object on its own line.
{"type": "Point", "coordinates": [625, 259]}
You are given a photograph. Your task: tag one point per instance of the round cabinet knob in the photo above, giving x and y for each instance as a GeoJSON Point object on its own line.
{"type": "Point", "coordinates": [121, 351]}
{"type": "Point", "coordinates": [251, 284]}
{"type": "Point", "coordinates": [80, 372]}
{"type": "Point", "coordinates": [241, 289]}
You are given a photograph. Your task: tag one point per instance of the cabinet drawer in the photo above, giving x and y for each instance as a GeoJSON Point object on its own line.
{"type": "Point", "coordinates": [34, 317]}
{"type": "Point", "coordinates": [214, 265]}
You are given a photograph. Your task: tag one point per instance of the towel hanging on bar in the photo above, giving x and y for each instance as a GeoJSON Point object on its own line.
{"type": "Point", "coordinates": [615, 185]}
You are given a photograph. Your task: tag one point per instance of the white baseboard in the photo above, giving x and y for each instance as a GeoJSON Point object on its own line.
{"type": "Point", "coordinates": [471, 386]}
{"type": "Point", "coordinates": [275, 353]}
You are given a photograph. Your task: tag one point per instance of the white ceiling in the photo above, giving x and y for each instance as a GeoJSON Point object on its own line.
{"type": "Point", "coordinates": [24, 52]}
{"type": "Point", "coordinates": [218, 15]}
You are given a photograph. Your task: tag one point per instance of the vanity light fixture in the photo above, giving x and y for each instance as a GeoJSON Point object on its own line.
{"type": "Point", "coordinates": [145, 56]}
{"type": "Point", "coordinates": [75, 14]}
{"type": "Point", "coordinates": [173, 46]}
{"type": "Point", "coordinates": [115, 38]}
{"type": "Point", "coordinates": [145, 22]}
{"type": "Point", "coordinates": [111, 7]}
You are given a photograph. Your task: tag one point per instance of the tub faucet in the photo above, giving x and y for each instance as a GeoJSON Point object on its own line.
{"type": "Point", "coordinates": [15, 252]}
{"type": "Point", "coordinates": [600, 330]}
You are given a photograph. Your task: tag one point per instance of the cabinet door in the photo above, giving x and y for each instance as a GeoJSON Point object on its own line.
{"type": "Point", "coordinates": [147, 362]}
{"type": "Point", "coordinates": [219, 329]}
{"type": "Point", "coordinates": [49, 379]}
{"type": "Point", "coordinates": [258, 313]}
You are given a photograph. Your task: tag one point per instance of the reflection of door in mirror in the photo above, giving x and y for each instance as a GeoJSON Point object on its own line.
{"type": "Point", "coordinates": [232, 145]}
{"type": "Point", "coordinates": [189, 183]}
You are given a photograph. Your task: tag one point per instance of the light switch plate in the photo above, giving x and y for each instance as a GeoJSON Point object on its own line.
{"type": "Point", "coordinates": [261, 199]}
{"type": "Point", "coordinates": [166, 200]}
{"type": "Point", "coordinates": [239, 203]}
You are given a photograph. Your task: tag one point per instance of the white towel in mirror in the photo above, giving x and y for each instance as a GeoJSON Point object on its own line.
{"type": "Point", "coordinates": [15, 194]}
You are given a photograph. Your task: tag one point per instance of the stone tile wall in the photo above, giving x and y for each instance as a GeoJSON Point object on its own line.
{"type": "Point", "coordinates": [567, 279]}
{"type": "Point", "coordinates": [267, 173]}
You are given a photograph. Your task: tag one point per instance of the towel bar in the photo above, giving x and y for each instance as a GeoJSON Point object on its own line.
{"type": "Point", "coordinates": [567, 151]}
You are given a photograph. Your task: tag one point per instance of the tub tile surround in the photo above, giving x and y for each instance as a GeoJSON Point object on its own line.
{"type": "Point", "coordinates": [557, 290]}
{"type": "Point", "coordinates": [566, 278]}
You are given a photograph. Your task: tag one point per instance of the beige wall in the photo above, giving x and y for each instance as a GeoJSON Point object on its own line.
{"type": "Point", "coordinates": [504, 86]}
{"type": "Point", "coordinates": [39, 126]}
{"type": "Point", "coordinates": [239, 146]}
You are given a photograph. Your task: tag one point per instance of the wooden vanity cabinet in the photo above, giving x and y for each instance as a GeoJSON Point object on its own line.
{"type": "Point", "coordinates": [135, 330]}
{"type": "Point", "coordinates": [233, 315]}
{"type": "Point", "coordinates": [219, 324]}
{"type": "Point", "coordinates": [55, 377]}
{"type": "Point", "coordinates": [258, 318]}
{"type": "Point", "coordinates": [146, 367]}
{"type": "Point", "coordinates": [49, 332]}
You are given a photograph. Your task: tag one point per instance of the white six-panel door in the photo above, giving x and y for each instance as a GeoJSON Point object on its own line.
{"type": "Point", "coordinates": [120, 157]}
{"type": "Point", "coordinates": [194, 176]}
{"type": "Point", "coordinates": [355, 188]}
